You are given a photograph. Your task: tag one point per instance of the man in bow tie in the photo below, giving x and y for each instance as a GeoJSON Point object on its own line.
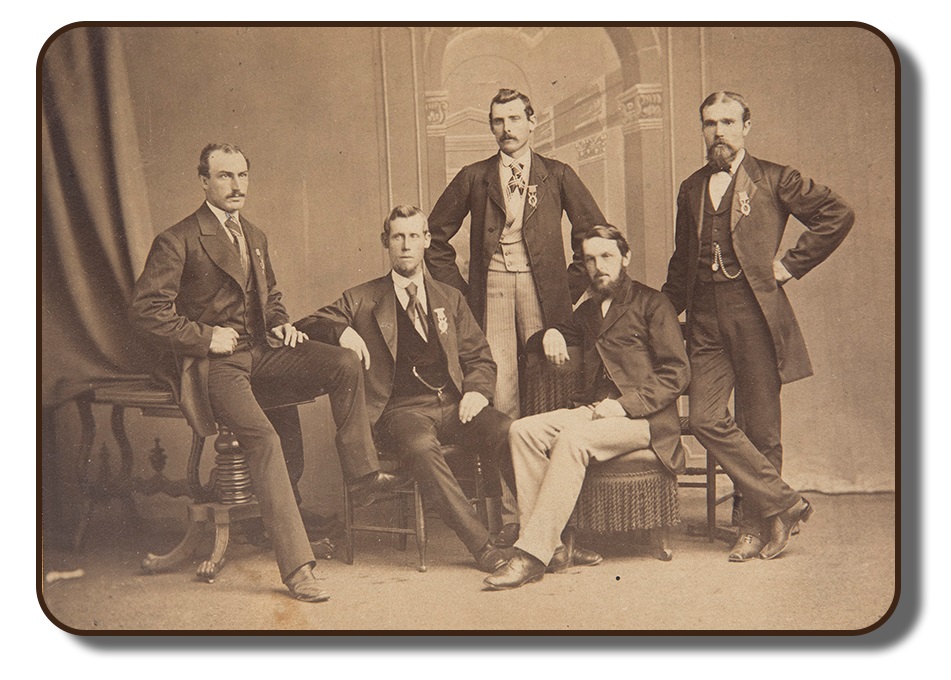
{"type": "Point", "coordinates": [742, 336]}
{"type": "Point", "coordinates": [429, 376]}
{"type": "Point", "coordinates": [209, 296]}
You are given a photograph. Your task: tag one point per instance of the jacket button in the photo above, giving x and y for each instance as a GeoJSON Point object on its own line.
{"type": "Point", "coordinates": [491, 229]}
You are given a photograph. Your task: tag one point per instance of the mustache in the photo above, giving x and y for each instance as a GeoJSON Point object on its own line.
{"type": "Point", "coordinates": [236, 194]}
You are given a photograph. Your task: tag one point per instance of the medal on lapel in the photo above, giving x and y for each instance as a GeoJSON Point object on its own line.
{"type": "Point", "coordinates": [532, 195]}
{"type": "Point", "coordinates": [257, 251]}
{"type": "Point", "coordinates": [744, 203]}
{"type": "Point", "coordinates": [441, 321]}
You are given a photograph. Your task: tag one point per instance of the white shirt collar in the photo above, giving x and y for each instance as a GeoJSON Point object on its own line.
{"type": "Point", "coordinates": [507, 160]}
{"type": "Point", "coordinates": [222, 215]}
{"type": "Point", "coordinates": [400, 282]}
{"type": "Point", "coordinates": [735, 165]}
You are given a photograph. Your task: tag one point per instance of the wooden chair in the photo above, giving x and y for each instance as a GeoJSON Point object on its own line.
{"type": "Point", "coordinates": [226, 497]}
{"type": "Point", "coordinates": [468, 471]}
{"type": "Point", "coordinates": [631, 493]}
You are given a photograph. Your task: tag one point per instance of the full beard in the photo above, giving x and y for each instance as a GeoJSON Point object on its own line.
{"type": "Point", "coordinates": [720, 155]}
{"type": "Point", "coordinates": [608, 289]}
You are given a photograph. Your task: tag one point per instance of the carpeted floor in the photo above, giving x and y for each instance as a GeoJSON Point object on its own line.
{"type": "Point", "coordinates": [838, 575]}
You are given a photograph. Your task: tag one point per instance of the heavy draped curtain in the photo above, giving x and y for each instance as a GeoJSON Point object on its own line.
{"type": "Point", "coordinates": [95, 216]}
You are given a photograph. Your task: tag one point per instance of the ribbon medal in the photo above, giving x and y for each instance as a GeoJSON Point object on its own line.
{"type": "Point", "coordinates": [744, 203]}
{"type": "Point", "coordinates": [441, 319]}
{"type": "Point", "coordinates": [532, 195]}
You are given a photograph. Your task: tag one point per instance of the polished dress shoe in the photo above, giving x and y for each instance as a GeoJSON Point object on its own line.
{"type": "Point", "coordinates": [507, 536]}
{"type": "Point", "coordinates": [303, 585]}
{"type": "Point", "coordinates": [561, 561]}
{"type": "Point", "coordinates": [363, 491]}
{"type": "Point", "coordinates": [489, 558]}
{"type": "Point", "coordinates": [746, 548]}
{"type": "Point", "coordinates": [782, 526]}
{"type": "Point", "coordinates": [521, 569]}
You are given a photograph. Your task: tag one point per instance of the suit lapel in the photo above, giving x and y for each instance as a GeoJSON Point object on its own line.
{"type": "Point", "coordinates": [744, 189]}
{"type": "Point", "coordinates": [434, 301]}
{"type": "Point", "coordinates": [618, 306]}
{"type": "Point", "coordinates": [384, 311]}
{"type": "Point", "coordinates": [697, 195]}
{"type": "Point", "coordinates": [493, 179]}
{"type": "Point", "coordinates": [255, 240]}
{"type": "Point", "coordinates": [218, 246]}
{"type": "Point", "coordinates": [537, 178]}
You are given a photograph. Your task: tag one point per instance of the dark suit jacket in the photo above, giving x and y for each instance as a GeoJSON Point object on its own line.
{"type": "Point", "coordinates": [774, 193]}
{"type": "Point", "coordinates": [477, 190]}
{"type": "Point", "coordinates": [640, 344]}
{"type": "Point", "coordinates": [192, 281]}
{"type": "Point", "coordinates": [370, 309]}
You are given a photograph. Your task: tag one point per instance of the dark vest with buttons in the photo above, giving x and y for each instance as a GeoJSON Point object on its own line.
{"type": "Point", "coordinates": [247, 318]}
{"type": "Point", "coordinates": [716, 229]}
{"type": "Point", "coordinates": [427, 357]}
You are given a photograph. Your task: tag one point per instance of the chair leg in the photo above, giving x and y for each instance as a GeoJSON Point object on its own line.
{"type": "Point", "coordinates": [348, 524]}
{"type": "Point", "coordinates": [660, 544]}
{"type": "Point", "coordinates": [210, 568]}
{"type": "Point", "coordinates": [420, 526]}
{"type": "Point", "coordinates": [401, 510]}
{"type": "Point", "coordinates": [711, 497]}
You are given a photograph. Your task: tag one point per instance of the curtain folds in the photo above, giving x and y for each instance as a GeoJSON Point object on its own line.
{"type": "Point", "coordinates": [95, 216]}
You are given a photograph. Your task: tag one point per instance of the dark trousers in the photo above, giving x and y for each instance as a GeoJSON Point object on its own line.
{"type": "Point", "coordinates": [730, 348]}
{"type": "Point", "coordinates": [256, 375]}
{"type": "Point", "coordinates": [413, 428]}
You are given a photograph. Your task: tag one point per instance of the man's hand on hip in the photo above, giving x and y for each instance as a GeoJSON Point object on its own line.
{"type": "Point", "coordinates": [290, 335]}
{"type": "Point", "coordinates": [471, 405]}
{"type": "Point", "coordinates": [223, 340]}
{"type": "Point", "coordinates": [352, 340]}
{"type": "Point", "coordinates": [780, 273]}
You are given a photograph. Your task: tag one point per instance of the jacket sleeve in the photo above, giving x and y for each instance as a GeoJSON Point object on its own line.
{"type": "Point", "coordinates": [153, 310]}
{"type": "Point", "coordinates": [475, 357]}
{"type": "Point", "coordinates": [675, 288]}
{"type": "Point", "coordinates": [328, 323]}
{"type": "Point", "coordinates": [671, 369]}
{"type": "Point", "coordinates": [444, 222]}
{"type": "Point", "coordinates": [583, 213]}
{"type": "Point", "coordinates": [825, 216]}
{"type": "Point", "coordinates": [275, 314]}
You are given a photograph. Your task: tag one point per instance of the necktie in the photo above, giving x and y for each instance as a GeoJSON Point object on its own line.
{"type": "Point", "coordinates": [516, 183]}
{"type": "Point", "coordinates": [416, 313]}
{"type": "Point", "coordinates": [235, 230]}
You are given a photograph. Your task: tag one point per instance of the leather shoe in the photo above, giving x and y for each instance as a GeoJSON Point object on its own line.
{"type": "Point", "coordinates": [489, 558]}
{"type": "Point", "coordinates": [363, 491]}
{"type": "Point", "coordinates": [561, 561]}
{"type": "Point", "coordinates": [521, 569]}
{"type": "Point", "coordinates": [507, 536]}
{"type": "Point", "coordinates": [782, 525]}
{"type": "Point", "coordinates": [303, 585]}
{"type": "Point", "coordinates": [746, 548]}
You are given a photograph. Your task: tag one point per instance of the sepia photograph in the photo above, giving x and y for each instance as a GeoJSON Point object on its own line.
{"type": "Point", "coordinates": [468, 329]}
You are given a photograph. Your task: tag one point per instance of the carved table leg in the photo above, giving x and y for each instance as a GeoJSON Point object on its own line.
{"type": "Point", "coordinates": [123, 490]}
{"type": "Point", "coordinates": [85, 457]}
{"type": "Point", "coordinates": [155, 563]}
{"type": "Point", "coordinates": [209, 568]}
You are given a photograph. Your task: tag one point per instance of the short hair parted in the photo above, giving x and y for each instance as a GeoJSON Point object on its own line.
{"type": "Point", "coordinates": [724, 96]}
{"type": "Point", "coordinates": [209, 149]}
{"type": "Point", "coordinates": [505, 96]}
{"type": "Point", "coordinates": [403, 211]}
{"type": "Point", "coordinates": [610, 232]}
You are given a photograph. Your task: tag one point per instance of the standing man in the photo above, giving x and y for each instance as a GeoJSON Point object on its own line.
{"type": "Point", "coordinates": [518, 279]}
{"type": "Point", "coordinates": [430, 375]}
{"type": "Point", "coordinates": [208, 294]}
{"type": "Point", "coordinates": [741, 331]}
{"type": "Point", "coordinates": [635, 367]}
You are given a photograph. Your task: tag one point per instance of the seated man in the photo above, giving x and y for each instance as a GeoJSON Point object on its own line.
{"type": "Point", "coordinates": [430, 375]}
{"type": "Point", "coordinates": [635, 367]}
{"type": "Point", "coordinates": [208, 295]}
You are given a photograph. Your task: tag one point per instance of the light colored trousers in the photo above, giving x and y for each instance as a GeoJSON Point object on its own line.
{"type": "Point", "coordinates": [513, 314]}
{"type": "Point", "coordinates": [550, 453]}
